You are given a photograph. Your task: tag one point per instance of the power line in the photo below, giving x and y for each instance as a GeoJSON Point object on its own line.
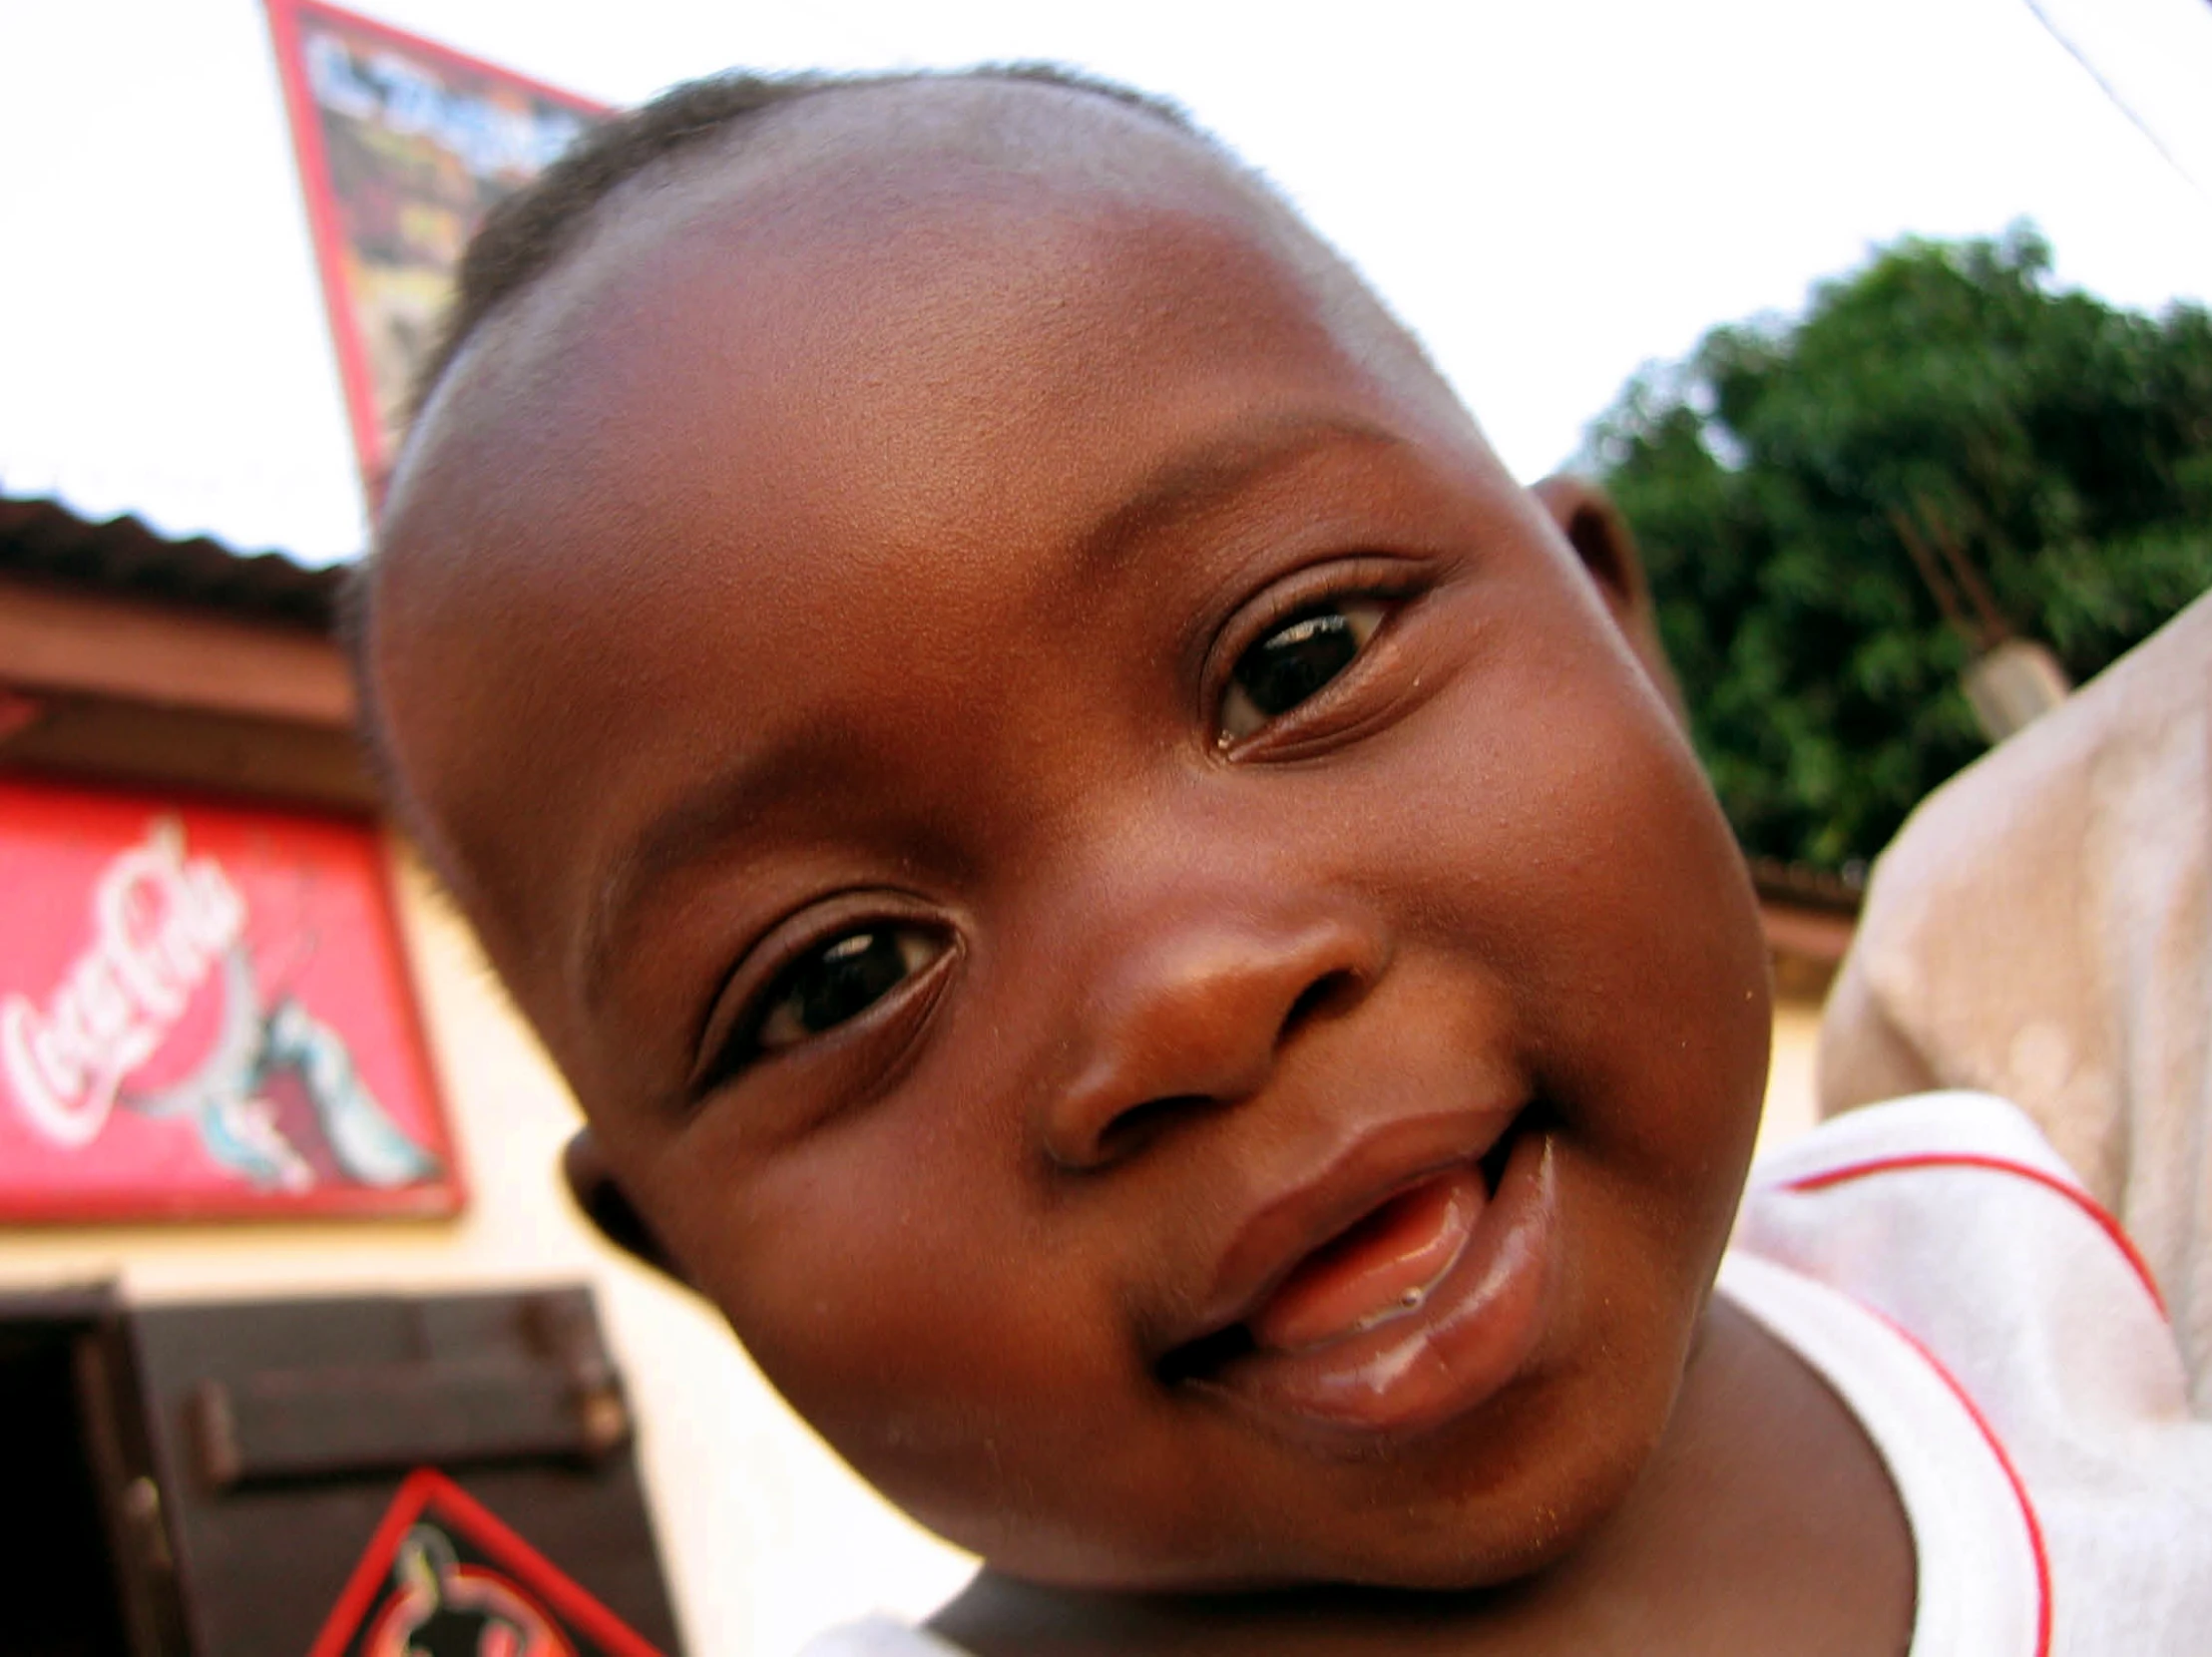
{"type": "Point", "coordinates": [2112, 93]}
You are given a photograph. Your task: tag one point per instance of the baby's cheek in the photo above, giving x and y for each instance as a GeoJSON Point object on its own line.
{"type": "Point", "coordinates": [1578, 852]}
{"type": "Point", "coordinates": [858, 1272]}
{"type": "Point", "coordinates": [959, 1393]}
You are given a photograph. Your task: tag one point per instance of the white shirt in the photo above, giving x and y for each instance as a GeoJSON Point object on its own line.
{"type": "Point", "coordinates": [2006, 1348]}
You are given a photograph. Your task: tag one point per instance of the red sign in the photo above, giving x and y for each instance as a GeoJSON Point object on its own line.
{"type": "Point", "coordinates": [442, 1575]}
{"type": "Point", "coordinates": [204, 1012]}
{"type": "Point", "coordinates": [403, 147]}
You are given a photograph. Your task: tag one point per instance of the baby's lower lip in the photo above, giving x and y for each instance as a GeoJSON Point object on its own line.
{"type": "Point", "coordinates": [1364, 1342]}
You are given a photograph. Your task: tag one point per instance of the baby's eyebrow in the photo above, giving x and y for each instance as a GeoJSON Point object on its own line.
{"type": "Point", "coordinates": [692, 827]}
{"type": "Point", "coordinates": [1214, 473]}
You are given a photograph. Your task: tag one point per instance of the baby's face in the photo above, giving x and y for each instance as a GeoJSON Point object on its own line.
{"type": "Point", "coordinates": [1103, 877]}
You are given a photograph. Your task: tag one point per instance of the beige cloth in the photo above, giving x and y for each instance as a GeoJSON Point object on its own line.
{"type": "Point", "coordinates": [2041, 927]}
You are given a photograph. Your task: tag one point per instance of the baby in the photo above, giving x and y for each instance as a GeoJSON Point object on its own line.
{"type": "Point", "coordinates": [1134, 912]}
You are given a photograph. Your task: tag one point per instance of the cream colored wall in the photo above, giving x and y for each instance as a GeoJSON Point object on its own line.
{"type": "Point", "coordinates": [1790, 1103]}
{"type": "Point", "coordinates": [765, 1536]}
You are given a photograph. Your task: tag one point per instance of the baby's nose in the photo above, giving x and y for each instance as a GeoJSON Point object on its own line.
{"type": "Point", "coordinates": [1195, 1013]}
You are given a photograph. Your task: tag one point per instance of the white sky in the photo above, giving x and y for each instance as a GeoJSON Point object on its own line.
{"type": "Point", "coordinates": [1549, 193]}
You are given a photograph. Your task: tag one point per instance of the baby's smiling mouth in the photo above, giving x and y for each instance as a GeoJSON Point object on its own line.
{"type": "Point", "coordinates": [1419, 1307]}
{"type": "Point", "coordinates": [1379, 1268]}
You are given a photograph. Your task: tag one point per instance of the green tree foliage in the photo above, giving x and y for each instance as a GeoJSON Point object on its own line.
{"type": "Point", "coordinates": [1946, 395]}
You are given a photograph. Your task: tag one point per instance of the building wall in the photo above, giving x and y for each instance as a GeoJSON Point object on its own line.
{"type": "Point", "coordinates": [1791, 1105]}
{"type": "Point", "coordinates": [764, 1535]}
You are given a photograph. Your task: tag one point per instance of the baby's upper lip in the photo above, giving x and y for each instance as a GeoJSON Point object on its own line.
{"type": "Point", "coordinates": [1283, 1227]}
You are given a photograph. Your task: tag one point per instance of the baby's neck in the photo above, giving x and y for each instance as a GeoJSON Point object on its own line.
{"type": "Point", "coordinates": [1765, 1522]}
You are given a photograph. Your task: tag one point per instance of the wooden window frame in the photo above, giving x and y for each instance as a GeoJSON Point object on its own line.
{"type": "Point", "coordinates": [176, 695]}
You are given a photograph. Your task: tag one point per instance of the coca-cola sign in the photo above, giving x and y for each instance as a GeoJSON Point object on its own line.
{"type": "Point", "coordinates": [204, 1012]}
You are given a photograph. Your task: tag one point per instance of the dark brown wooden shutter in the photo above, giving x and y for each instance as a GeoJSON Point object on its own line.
{"type": "Point", "coordinates": [280, 1431]}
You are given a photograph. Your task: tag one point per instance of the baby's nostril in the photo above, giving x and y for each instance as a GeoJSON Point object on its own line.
{"type": "Point", "coordinates": [1137, 1127]}
{"type": "Point", "coordinates": [1325, 994]}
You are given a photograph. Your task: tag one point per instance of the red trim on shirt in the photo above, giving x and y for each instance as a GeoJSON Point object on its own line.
{"type": "Point", "coordinates": [2012, 1477]}
{"type": "Point", "coordinates": [2003, 1165]}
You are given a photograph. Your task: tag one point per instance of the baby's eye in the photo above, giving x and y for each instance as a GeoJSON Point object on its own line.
{"type": "Point", "coordinates": [839, 981]}
{"type": "Point", "coordinates": [1294, 661]}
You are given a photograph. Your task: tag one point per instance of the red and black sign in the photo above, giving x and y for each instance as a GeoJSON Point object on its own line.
{"type": "Point", "coordinates": [403, 147]}
{"type": "Point", "coordinates": [443, 1578]}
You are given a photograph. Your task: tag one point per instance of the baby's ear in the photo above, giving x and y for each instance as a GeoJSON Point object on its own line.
{"type": "Point", "coordinates": [610, 1212]}
{"type": "Point", "coordinates": [1594, 526]}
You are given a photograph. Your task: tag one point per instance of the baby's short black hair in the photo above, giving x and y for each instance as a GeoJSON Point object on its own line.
{"type": "Point", "coordinates": [525, 234]}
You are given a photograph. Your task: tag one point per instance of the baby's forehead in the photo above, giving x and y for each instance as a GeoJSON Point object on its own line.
{"type": "Point", "coordinates": [819, 268]}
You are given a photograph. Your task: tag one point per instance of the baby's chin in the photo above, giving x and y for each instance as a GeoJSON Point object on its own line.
{"type": "Point", "coordinates": [1472, 1552]}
